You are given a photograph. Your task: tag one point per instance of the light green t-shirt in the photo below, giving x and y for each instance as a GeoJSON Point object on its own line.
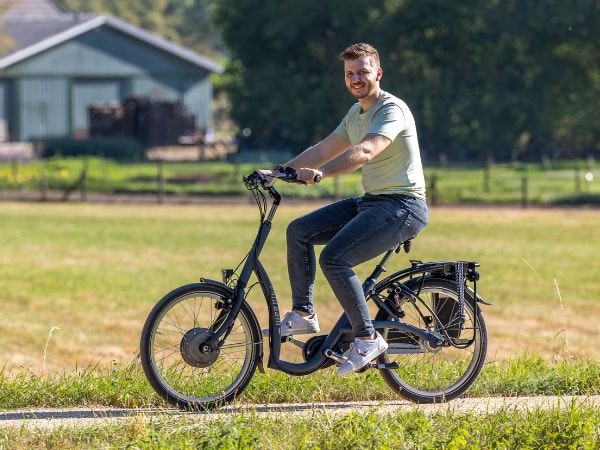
{"type": "Point", "coordinates": [398, 168]}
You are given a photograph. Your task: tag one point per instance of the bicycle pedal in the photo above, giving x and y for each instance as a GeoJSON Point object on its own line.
{"type": "Point", "coordinates": [337, 357]}
{"type": "Point", "coordinates": [392, 365]}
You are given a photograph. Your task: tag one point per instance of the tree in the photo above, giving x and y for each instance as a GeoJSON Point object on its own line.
{"type": "Point", "coordinates": [502, 78]}
{"type": "Point", "coordinates": [5, 41]}
{"type": "Point", "coordinates": [187, 22]}
{"type": "Point", "coordinates": [498, 78]}
{"type": "Point", "coordinates": [286, 83]}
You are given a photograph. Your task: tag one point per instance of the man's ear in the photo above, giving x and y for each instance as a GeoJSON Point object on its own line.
{"type": "Point", "coordinates": [379, 74]}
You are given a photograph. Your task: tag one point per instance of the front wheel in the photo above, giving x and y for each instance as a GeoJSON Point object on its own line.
{"type": "Point", "coordinates": [434, 373]}
{"type": "Point", "coordinates": [172, 354]}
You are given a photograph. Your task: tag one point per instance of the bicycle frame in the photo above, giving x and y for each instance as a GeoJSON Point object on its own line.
{"type": "Point", "coordinates": [342, 327]}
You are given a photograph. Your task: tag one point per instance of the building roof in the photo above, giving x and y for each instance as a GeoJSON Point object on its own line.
{"type": "Point", "coordinates": [33, 26]}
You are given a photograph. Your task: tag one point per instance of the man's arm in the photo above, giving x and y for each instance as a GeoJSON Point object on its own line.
{"type": "Point", "coordinates": [350, 160]}
{"type": "Point", "coordinates": [321, 153]}
{"type": "Point", "coordinates": [356, 156]}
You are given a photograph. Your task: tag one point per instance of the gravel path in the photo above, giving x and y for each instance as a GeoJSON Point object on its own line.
{"type": "Point", "coordinates": [50, 418]}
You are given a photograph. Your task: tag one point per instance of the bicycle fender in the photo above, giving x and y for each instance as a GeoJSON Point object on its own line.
{"type": "Point", "coordinates": [218, 284]}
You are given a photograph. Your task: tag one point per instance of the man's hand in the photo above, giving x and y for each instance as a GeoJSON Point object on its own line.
{"type": "Point", "coordinates": [308, 175]}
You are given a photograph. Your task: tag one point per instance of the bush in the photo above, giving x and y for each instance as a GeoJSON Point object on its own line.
{"type": "Point", "coordinates": [119, 149]}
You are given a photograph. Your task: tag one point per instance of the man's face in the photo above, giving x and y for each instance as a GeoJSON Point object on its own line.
{"type": "Point", "coordinates": [362, 76]}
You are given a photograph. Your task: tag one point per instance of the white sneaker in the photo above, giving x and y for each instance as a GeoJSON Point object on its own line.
{"type": "Point", "coordinates": [294, 323]}
{"type": "Point", "coordinates": [362, 352]}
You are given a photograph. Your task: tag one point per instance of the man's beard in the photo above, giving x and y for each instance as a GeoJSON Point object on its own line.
{"type": "Point", "coordinates": [367, 88]}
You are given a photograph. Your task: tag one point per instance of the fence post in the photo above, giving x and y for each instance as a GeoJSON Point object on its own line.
{"type": "Point", "coordinates": [160, 180]}
{"type": "Point", "coordinates": [43, 184]}
{"type": "Point", "coordinates": [524, 192]}
{"type": "Point", "coordinates": [14, 168]}
{"type": "Point", "coordinates": [433, 190]}
{"type": "Point", "coordinates": [486, 176]}
{"type": "Point", "coordinates": [104, 170]}
{"type": "Point", "coordinates": [237, 168]}
{"type": "Point", "coordinates": [577, 176]}
{"type": "Point", "coordinates": [84, 178]}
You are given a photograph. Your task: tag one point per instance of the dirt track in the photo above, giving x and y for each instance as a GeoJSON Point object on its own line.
{"type": "Point", "coordinates": [50, 418]}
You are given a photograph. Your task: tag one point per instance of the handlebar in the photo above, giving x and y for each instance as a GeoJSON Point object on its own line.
{"type": "Point", "coordinates": [287, 174]}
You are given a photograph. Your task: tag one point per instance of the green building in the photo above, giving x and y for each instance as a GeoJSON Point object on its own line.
{"type": "Point", "coordinates": [54, 64]}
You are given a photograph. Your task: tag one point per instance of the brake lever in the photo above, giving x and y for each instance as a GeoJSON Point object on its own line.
{"type": "Point", "coordinates": [255, 179]}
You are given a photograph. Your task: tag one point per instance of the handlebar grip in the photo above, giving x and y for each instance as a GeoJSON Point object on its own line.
{"type": "Point", "coordinates": [288, 174]}
{"type": "Point", "coordinates": [293, 179]}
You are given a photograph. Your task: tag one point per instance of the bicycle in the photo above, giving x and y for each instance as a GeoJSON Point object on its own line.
{"type": "Point", "coordinates": [201, 343]}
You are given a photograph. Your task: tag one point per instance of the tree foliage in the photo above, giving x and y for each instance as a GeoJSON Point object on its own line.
{"type": "Point", "coordinates": [286, 81]}
{"type": "Point", "coordinates": [502, 78]}
{"type": "Point", "coordinates": [5, 41]}
{"type": "Point", "coordinates": [495, 79]}
{"type": "Point", "coordinates": [187, 22]}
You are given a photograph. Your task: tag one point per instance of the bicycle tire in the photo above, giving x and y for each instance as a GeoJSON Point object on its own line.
{"type": "Point", "coordinates": [435, 374]}
{"type": "Point", "coordinates": [173, 334]}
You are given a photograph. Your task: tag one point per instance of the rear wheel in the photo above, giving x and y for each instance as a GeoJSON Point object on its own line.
{"type": "Point", "coordinates": [429, 373]}
{"type": "Point", "coordinates": [172, 354]}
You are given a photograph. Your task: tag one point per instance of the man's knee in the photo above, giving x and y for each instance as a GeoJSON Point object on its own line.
{"type": "Point", "coordinates": [328, 261]}
{"type": "Point", "coordinates": [295, 230]}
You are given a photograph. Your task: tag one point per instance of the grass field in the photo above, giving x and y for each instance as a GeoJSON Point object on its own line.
{"type": "Point", "coordinates": [78, 280]}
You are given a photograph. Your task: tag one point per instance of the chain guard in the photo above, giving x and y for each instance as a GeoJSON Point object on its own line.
{"type": "Point", "coordinates": [312, 346]}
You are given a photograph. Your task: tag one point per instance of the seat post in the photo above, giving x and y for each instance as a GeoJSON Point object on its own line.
{"type": "Point", "coordinates": [379, 269]}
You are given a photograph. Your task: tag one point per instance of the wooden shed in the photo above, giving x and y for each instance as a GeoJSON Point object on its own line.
{"type": "Point", "coordinates": [54, 65]}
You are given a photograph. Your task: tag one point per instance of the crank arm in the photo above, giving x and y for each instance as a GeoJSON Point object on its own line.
{"type": "Point", "coordinates": [392, 365]}
{"type": "Point", "coordinates": [294, 341]}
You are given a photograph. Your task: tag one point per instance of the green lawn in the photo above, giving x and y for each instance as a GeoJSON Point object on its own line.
{"type": "Point", "coordinates": [570, 428]}
{"type": "Point", "coordinates": [79, 279]}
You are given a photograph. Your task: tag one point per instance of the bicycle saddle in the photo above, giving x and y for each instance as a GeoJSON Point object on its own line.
{"type": "Point", "coordinates": [405, 245]}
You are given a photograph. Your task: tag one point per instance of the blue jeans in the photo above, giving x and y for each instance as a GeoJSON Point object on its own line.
{"type": "Point", "coordinates": [353, 231]}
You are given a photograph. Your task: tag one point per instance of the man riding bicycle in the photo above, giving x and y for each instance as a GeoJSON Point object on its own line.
{"type": "Point", "coordinates": [377, 135]}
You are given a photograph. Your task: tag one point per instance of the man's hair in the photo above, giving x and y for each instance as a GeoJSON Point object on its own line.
{"type": "Point", "coordinates": [359, 50]}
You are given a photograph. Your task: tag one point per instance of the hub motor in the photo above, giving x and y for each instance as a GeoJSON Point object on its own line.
{"type": "Point", "coordinates": [191, 348]}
